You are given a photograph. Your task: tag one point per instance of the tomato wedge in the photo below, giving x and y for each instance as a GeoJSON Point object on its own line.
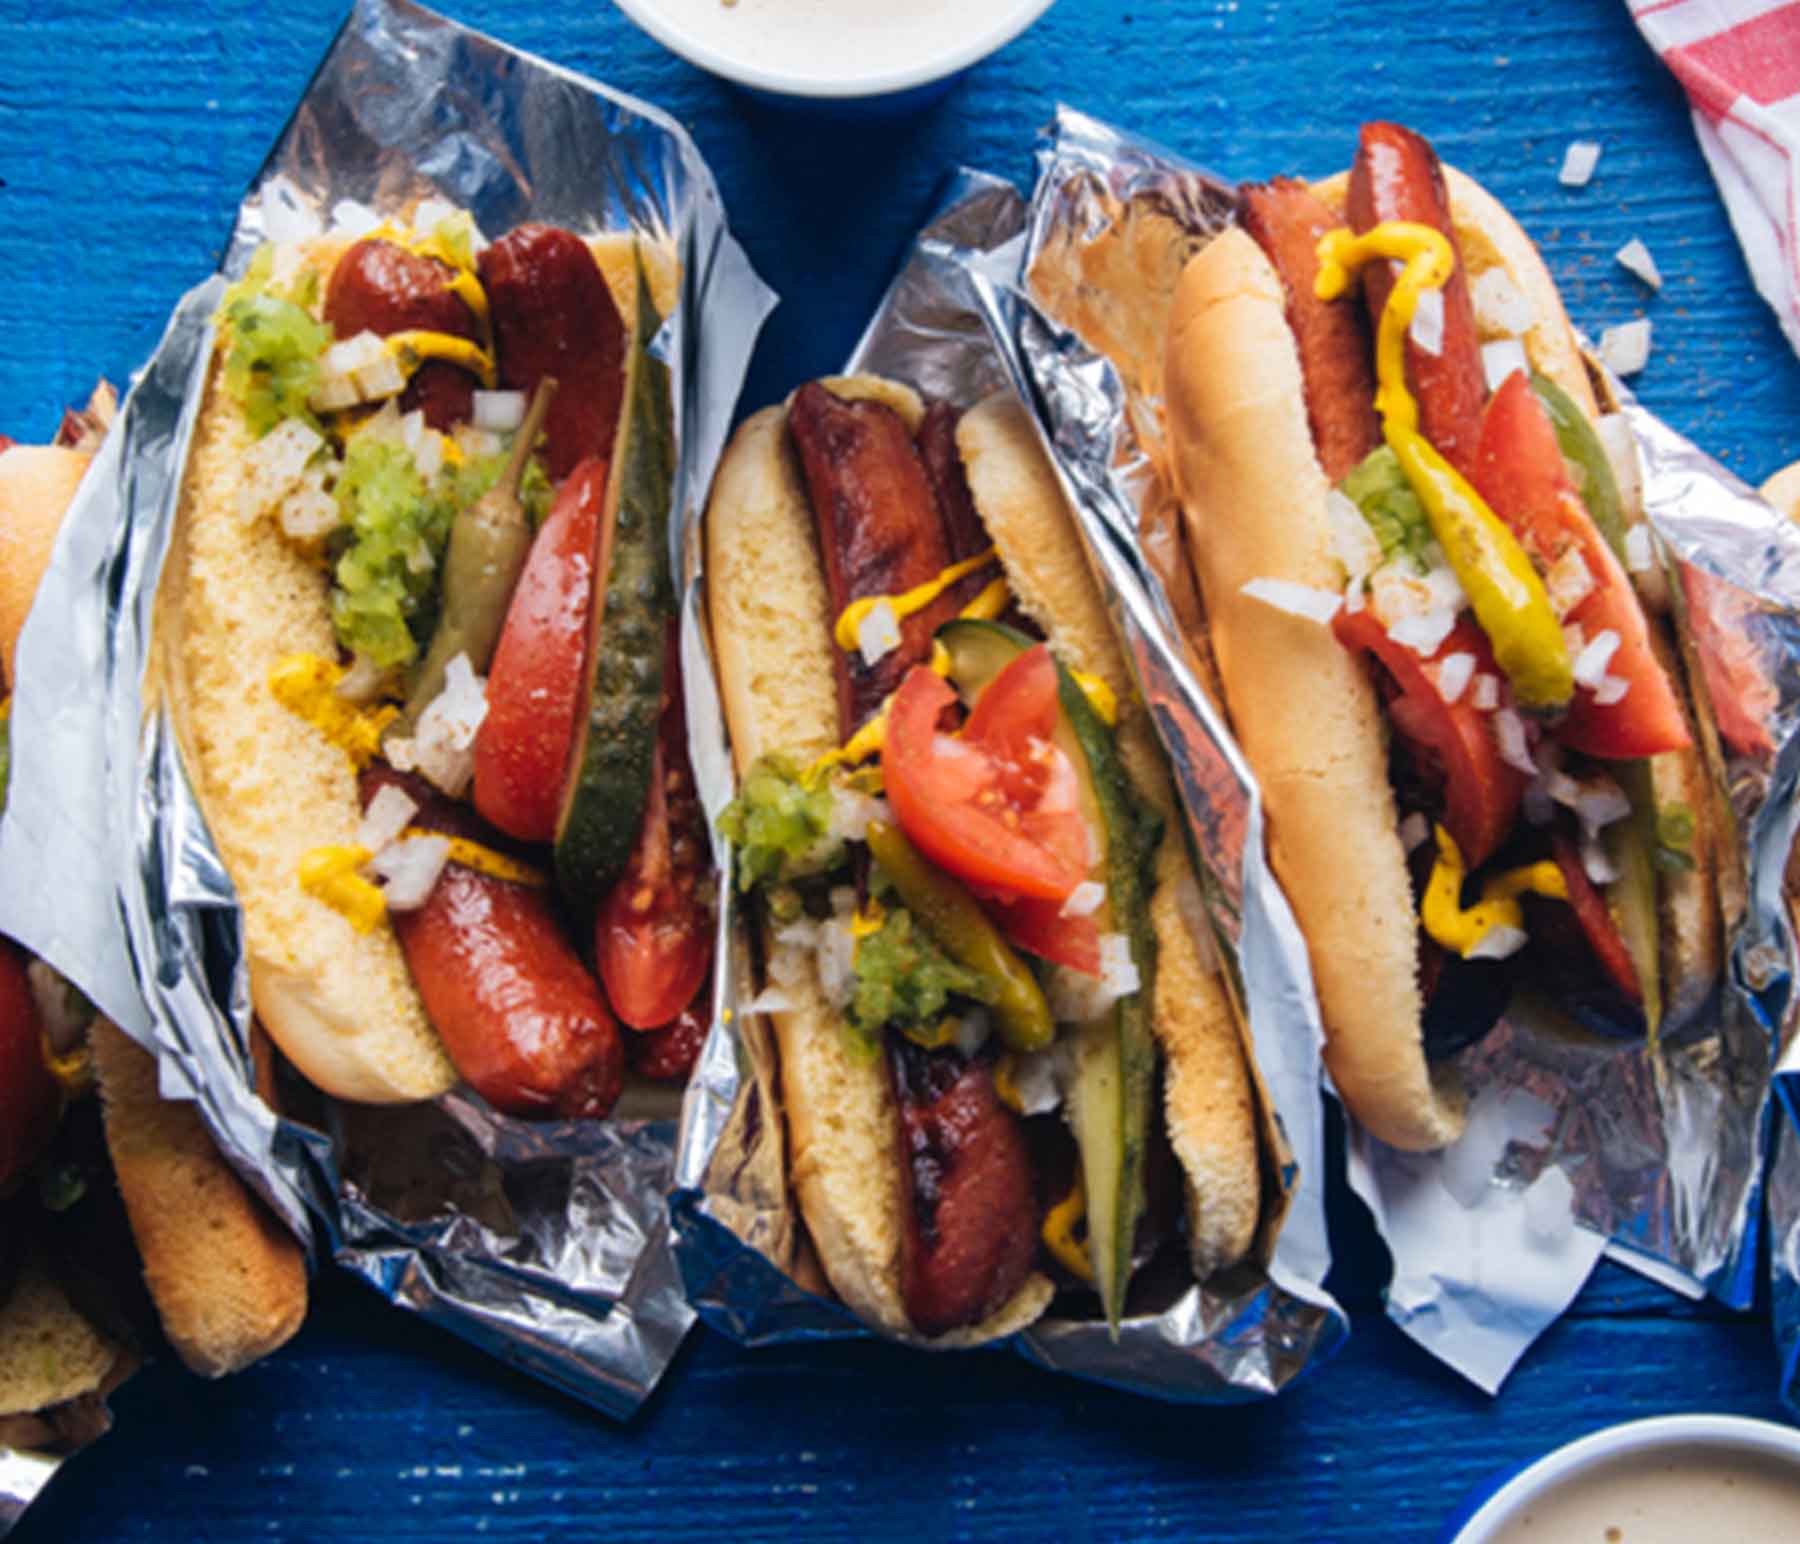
{"type": "Point", "coordinates": [653, 939]}
{"type": "Point", "coordinates": [1003, 816]}
{"type": "Point", "coordinates": [1737, 682]}
{"type": "Point", "coordinates": [1481, 789]}
{"type": "Point", "coordinates": [535, 682]}
{"type": "Point", "coordinates": [1040, 928]}
{"type": "Point", "coordinates": [1589, 905]}
{"type": "Point", "coordinates": [1520, 471]}
{"type": "Point", "coordinates": [29, 1097]}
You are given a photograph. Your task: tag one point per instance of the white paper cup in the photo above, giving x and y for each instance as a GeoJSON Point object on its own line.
{"type": "Point", "coordinates": [859, 61]}
{"type": "Point", "coordinates": [1699, 1444]}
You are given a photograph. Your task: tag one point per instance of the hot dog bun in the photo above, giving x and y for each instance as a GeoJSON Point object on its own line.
{"type": "Point", "coordinates": [36, 484]}
{"type": "Point", "coordinates": [768, 615]}
{"type": "Point", "coordinates": [1254, 495]}
{"type": "Point", "coordinates": [238, 596]}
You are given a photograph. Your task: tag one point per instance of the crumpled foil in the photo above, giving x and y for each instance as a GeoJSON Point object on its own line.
{"type": "Point", "coordinates": [945, 325]}
{"type": "Point", "coordinates": [1576, 1145]}
{"type": "Point", "coordinates": [546, 1244]}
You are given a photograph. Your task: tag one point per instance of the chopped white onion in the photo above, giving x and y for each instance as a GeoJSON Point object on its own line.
{"type": "Point", "coordinates": [801, 933]}
{"type": "Point", "coordinates": [389, 813]}
{"type": "Point", "coordinates": [878, 633]}
{"type": "Point", "coordinates": [771, 999]}
{"type": "Point", "coordinates": [1574, 638]}
{"type": "Point", "coordinates": [1599, 804]}
{"type": "Point", "coordinates": [1611, 689]}
{"type": "Point", "coordinates": [476, 443]}
{"type": "Point", "coordinates": [851, 813]}
{"type": "Point", "coordinates": [1427, 330]}
{"type": "Point", "coordinates": [1498, 943]}
{"type": "Point", "coordinates": [1078, 998]}
{"type": "Point", "coordinates": [286, 216]}
{"type": "Point", "coordinates": [1441, 583]}
{"type": "Point", "coordinates": [1595, 862]}
{"type": "Point", "coordinates": [1579, 161]}
{"type": "Point", "coordinates": [352, 219]}
{"type": "Point", "coordinates": [274, 466]}
{"type": "Point", "coordinates": [1502, 309]}
{"type": "Point", "coordinates": [1455, 672]}
{"type": "Point", "coordinates": [442, 746]}
{"type": "Point", "coordinates": [309, 513]}
{"type": "Point", "coordinates": [1634, 257]}
{"type": "Point", "coordinates": [1424, 633]}
{"type": "Point", "coordinates": [1640, 555]}
{"type": "Point", "coordinates": [502, 411]}
{"type": "Point", "coordinates": [1501, 358]}
{"type": "Point", "coordinates": [1590, 664]}
{"type": "Point", "coordinates": [1300, 600]}
{"type": "Point", "coordinates": [1084, 900]}
{"type": "Point", "coordinates": [362, 680]}
{"type": "Point", "coordinates": [1038, 1078]}
{"type": "Point", "coordinates": [1355, 596]}
{"type": "Point", "coordinates": [1352, 541]}
{"type": "Point", "coordinates": [1484, 695]}
{"type": "Point", "coordinates": [1568, 582]}
{"type": "Point", "coordinates": [791, 964]}
{"type": "Point", "coordinates": [972, 1030]}
{"type": "Point", "coordinates": [431, 213]}
{"type": "Point", "coordinates": [409, 870]}
{"type": "Point", "coordinates": [1509, 735]}
{"type": "Point", "coordinates": [359, 369]}
{"type": "Point", "coordinates": [836, 958]}
{"type": "Point", "coordinates": [1415, 831]}
{"type": "Point", "coordinates": [1625, 349]}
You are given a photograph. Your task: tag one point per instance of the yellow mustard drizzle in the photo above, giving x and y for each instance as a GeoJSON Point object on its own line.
{"type": "Point", "coordinates": [483, 860]}
{"type": "Point", "coordinates": [1006, 1083]}
{"type": "Point", "coordinates": [868, 920]}
{"type": "Point", "coordinates": [907, 602]}
{"type": "Point", "coordinates": [1504, 589]}
{"type": "Point", "coordinates": [1460, 929]}
{"type": "Point", "coordinates": [329, 874]}
{"type": "Point", "coordinates": [306, 684]}
{"type": "Point", "coordinates": [987, 605]}
{"type": "Point", "coordinates": [868, 740]}
{"type": "Point", "coordinates": [413, 347]}
{"type": "Point", "coordinates": [1059, 1231]}
{"type": "Point", "coordinates": [73, 1071]}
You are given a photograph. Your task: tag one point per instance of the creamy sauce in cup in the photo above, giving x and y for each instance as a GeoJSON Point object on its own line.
{"type": "Point", "coordinates": [827, 41]}
{"type": "Point", "coordinates": [1666, 1495]}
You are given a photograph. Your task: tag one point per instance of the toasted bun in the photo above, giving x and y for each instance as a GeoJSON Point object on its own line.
{"type": "Point", "coordinates": [1255, 500]}
{"type": "Point", "coordinates": [1210, 1118]}
{"type": "Point", "coordinates": [36, 484]}
{"type": "Point", "coordinates": [49, 1353]}
{"type": "Point", "coordinates": [768, 616]}
{"type": "Point", "coordinates": [237, 597]}
{"type": "Point", "coordinates": [229, 1280]}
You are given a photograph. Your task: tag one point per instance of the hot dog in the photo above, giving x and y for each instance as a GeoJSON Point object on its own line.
{"type": "Point", "coordinates": [1484, 666]}
{"type": "Point", "coordinates": [425, 738]}
{"type": "Point", "coordinates": [915, 892]}
{"type": "Point", "coordinates": [120, 1224]}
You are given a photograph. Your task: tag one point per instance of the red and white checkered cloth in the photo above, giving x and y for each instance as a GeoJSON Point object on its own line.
{"type": "Point", "coordinates": [1739, 62]}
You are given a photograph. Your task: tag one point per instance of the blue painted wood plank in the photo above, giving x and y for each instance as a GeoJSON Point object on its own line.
{"type": "Point", "coordinates": [126, 136]}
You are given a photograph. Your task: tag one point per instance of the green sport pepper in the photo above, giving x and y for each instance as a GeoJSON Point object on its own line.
{"type": "Point", "coordinates": [960, 928]}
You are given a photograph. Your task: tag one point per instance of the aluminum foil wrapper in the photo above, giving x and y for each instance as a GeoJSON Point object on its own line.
{"type": "Point", "coordinates": [947, 326]}
{"type": "Point", "coordinates": [546, 1244]}
{"type": "Point", "coordinates": [1576, 1146]}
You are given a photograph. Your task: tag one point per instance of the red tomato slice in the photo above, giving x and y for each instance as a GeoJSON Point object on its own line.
{"type": "Point", "coordinates": [535, 683]}
{"type": "Point", "coordinates": [1603, 934]}
{"type": "Point", "coordinates": [1481, 790]}
{"type": "Point", "coordinates": [1004, 816]}
{"type": "Point", "coordinates": [1039, 928]}
{"type": "Point", "coordinates": [653, 939]}
{"type": "Point", "coordinates": [1737, 684]}
{"type": "Point", "coordinates": [1519, 470]}
{"type": "Point", "coordinates": [29, 1098]}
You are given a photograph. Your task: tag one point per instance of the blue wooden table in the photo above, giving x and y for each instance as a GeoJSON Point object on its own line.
{"type": "Point", "coordinates": [126, 137]}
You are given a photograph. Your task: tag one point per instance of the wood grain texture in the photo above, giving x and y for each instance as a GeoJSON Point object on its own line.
{"type": "Point", "coordinates": [126, 137]}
